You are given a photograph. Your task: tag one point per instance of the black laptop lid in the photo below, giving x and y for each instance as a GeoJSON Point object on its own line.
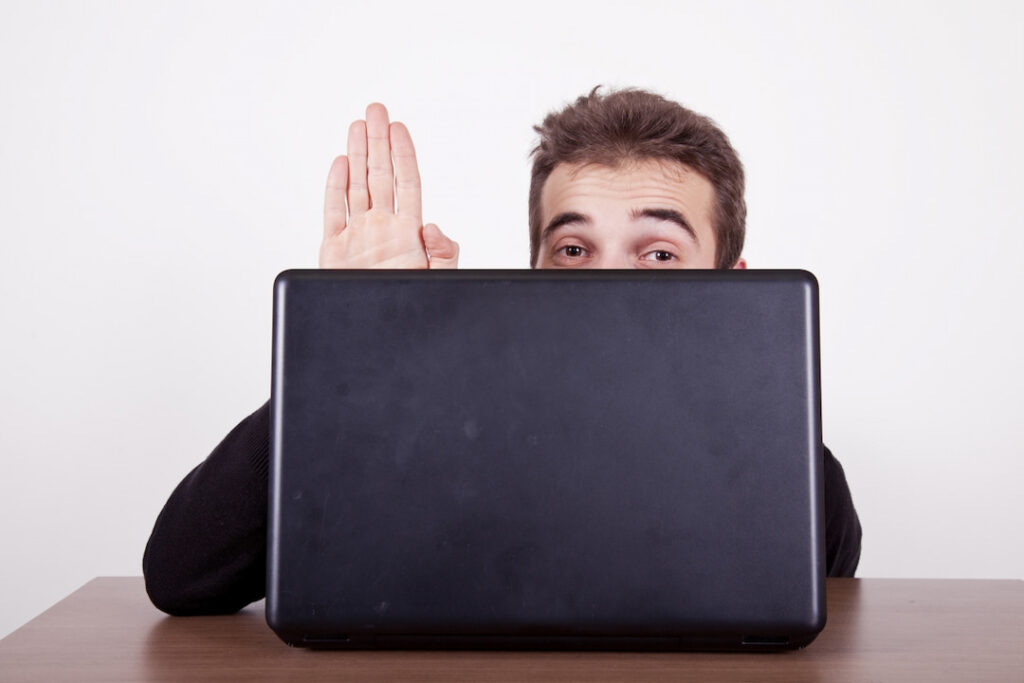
{"type": "Point", "coordinates": [546, 459]}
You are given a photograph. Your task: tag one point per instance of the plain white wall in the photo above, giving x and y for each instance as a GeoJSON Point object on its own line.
{"type": "Point", "coordinates": [161, 162]}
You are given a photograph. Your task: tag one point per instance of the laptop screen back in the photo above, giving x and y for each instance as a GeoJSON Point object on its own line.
{"type": "Point", "coordinates": [546, 459]}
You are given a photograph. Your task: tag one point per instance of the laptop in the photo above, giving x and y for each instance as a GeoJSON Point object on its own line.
{"type": "Point", "coordinates": [546, 460]}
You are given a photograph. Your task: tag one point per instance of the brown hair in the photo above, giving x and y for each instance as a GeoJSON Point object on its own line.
{"type": "Point", "coordinates": [634, 125]}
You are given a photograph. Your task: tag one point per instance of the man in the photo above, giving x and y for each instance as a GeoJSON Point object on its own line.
{"type": "Point", "coordinates": [623, 180]}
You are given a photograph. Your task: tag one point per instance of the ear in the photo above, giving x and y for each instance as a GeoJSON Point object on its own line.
{"type": "Point", "coordinates": [741, 264]}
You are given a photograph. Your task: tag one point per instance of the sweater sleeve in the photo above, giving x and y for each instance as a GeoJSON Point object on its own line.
{"type": "Point", "coordinates": [842, 526]}
{"type": "Point", "coordinates": [207, 552]}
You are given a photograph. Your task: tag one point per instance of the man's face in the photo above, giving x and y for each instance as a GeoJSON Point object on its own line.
{"type": "Point", "coordinates": [646, 214]}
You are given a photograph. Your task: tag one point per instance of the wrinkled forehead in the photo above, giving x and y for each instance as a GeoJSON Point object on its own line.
{"type": "Point", "coordinates": [629, 184]}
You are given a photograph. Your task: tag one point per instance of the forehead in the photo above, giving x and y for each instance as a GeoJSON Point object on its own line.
{"type": "Point", "coordinates": [597, 188]}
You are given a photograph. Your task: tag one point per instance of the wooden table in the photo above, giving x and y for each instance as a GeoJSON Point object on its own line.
{"type": "Point", "coordinates": [878, 630]}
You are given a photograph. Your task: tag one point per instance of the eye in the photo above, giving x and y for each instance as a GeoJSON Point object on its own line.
{"type": "Point", "coordinates": [572, 250]}
{"type": "Point", "coordinates": [659, 255]}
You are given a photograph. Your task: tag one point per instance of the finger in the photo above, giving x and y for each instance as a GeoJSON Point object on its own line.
{"type": "Point", "coordinates": [407, 173]}
{"type": "Point", "coordinates": [379, 176]}
{"type": "Point", "coordinates": [358, 199]}
{"type": "Point", "coordinates": [443, 251]}
{"type": "Point", "coordinates": [335, 203]}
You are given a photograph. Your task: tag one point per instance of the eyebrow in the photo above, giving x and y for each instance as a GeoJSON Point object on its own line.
{"type": "Point", "coordinates": [561, 220]}
{"type": "Point", "coordinates": [670, 215]}
{"type": "Point", "coordinates": [572, 217]}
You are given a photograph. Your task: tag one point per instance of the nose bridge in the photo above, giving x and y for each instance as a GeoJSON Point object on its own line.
{"type": "Point", "coordinates": [613, 259]}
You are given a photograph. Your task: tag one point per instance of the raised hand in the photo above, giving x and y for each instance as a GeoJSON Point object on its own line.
{"type": "Point", "coordinates": [372, 208]}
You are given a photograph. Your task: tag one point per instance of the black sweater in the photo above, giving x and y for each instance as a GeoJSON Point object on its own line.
{"type": "Point", "coordinates": [208, 550]}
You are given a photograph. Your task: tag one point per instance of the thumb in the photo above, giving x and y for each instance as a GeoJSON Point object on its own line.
{"type": "Point", "coordinates": [443, 252]}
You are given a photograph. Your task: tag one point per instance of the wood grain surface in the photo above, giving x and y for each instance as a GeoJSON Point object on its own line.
{"type": "Point", "coordinates": [878, 630]}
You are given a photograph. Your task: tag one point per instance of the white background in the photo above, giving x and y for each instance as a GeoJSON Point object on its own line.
{"type": "Point", "coordinates": [161, 162]}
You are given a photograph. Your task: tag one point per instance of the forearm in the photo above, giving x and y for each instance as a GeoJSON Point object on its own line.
{"type": "Point", "coordinates": [207, 552]}
{"type": "Point", "coordinates": [842, 525]}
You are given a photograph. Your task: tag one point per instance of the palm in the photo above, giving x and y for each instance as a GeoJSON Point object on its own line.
{"type": "Point", "coordinates": [376, 239]}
